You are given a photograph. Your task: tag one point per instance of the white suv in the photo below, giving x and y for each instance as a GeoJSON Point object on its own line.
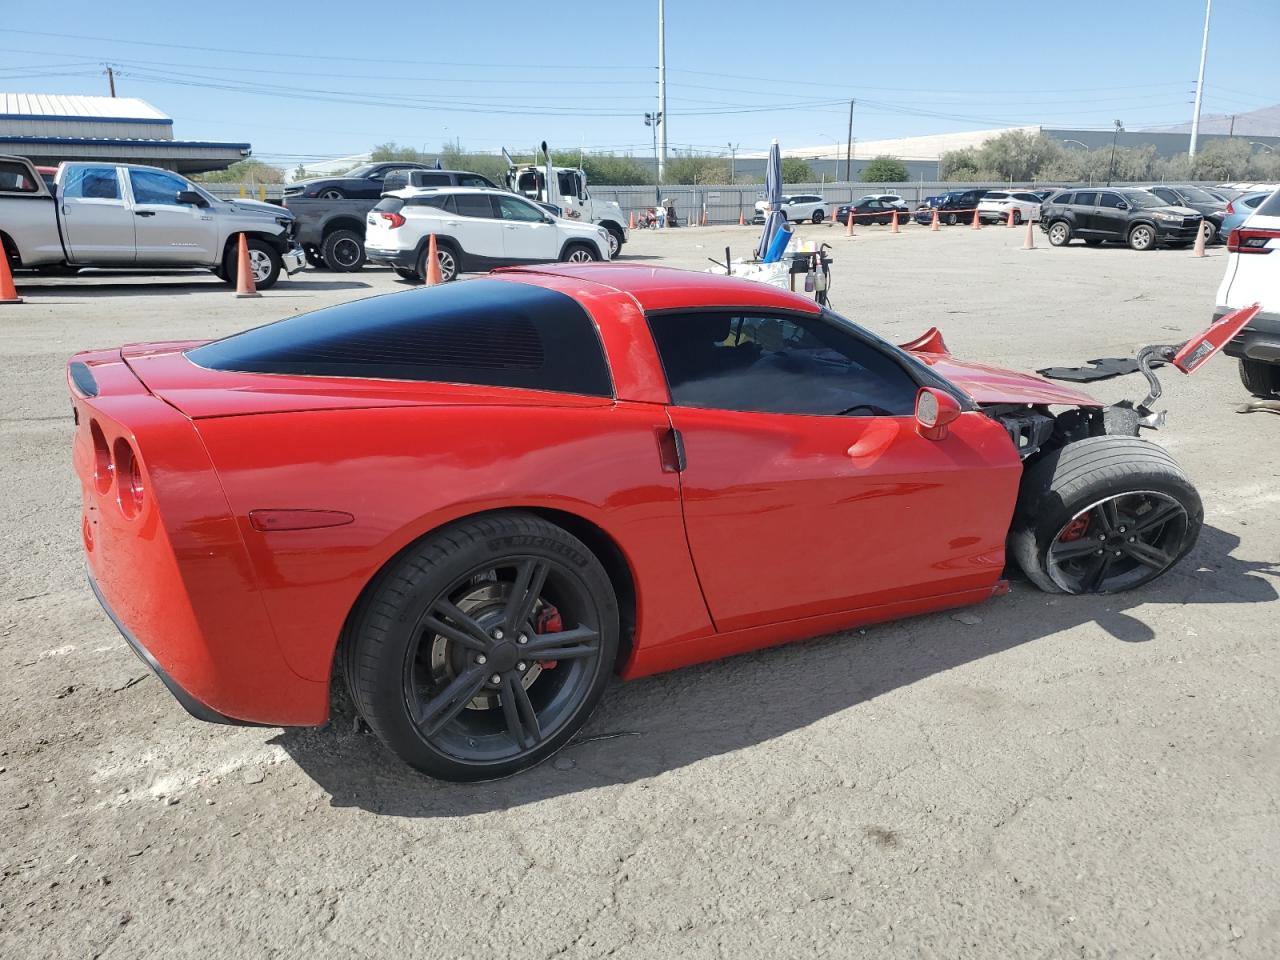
{"type": "Point", "coordinates": [996, 204]}
{"type": "Point", "coordinates": [797, 209]}
{"type": "Point", "coordinates": [475, 230]}
{"type": "Point", "coordinates": [1253, 277]}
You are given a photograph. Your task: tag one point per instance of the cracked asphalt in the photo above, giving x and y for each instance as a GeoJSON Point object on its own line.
{"type": "Point", "coordinates": [1037, 777]}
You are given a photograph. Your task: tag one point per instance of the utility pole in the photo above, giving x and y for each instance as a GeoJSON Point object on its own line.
{"type": "Point", "coordinates": [1231, 130]}
{"type": "Point", "coordinates": [848, 147]}
{"type": "Point", "coordinates": [1204, 53]}
{"type": "Point", "coordinates": [1111, 169]}
{"type": "Point", "coordinates": [733, 161]}
{"type": "Point", "coordinates": [662, 86]}
{"type": "Point", "coordinates": [111, 80]}
{"type": "Point", "coordinates": [654, 120]}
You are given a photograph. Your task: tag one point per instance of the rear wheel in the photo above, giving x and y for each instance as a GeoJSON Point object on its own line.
{"type": "Point", "coordinates": [1142, 237]}
{"type": "Point", "coordinates": [817, 216]}
{"type": "Point", "coordinates": [952, 219]}
{"type": "Point", "coordinates": [484, 649]}
{"type": "Point", "coordinates": [1102, 515]}
{"type": "Point", "coordinates": [1059, 233]}
{"type": "Point", "coordinates": [343, 251]}
{"type": "Point", "coordinates": [446, 256]}
{"type": "Point", "coordinates": [1260, 379]}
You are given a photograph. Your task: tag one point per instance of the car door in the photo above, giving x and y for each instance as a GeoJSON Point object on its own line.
{"type": "Point", "coordinates": [1082, 212]}
{"type": "Point", "coordinates": [807, 489]}
{"type": "Point", "coordinates": [1111, 215]}
{"type": "Point", "coordinates": [527, 236]}
{"type": "Point", "coordinates": [478, 229]}
{"type": "Point", "coordinates": [166, 231]}
{"type": "Point", "coordinates": [96, 218]}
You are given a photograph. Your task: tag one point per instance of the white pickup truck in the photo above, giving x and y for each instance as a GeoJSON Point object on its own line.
{"type": "Point", "coordinates": [122, 215]}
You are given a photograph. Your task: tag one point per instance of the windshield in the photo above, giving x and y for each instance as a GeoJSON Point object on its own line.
{"type": "Point", "coordinates": [1196, 195]}
{"type": "Point", "coordinates": [361, 171]}
{"type": "Point", "coordinates": [1142, 198]}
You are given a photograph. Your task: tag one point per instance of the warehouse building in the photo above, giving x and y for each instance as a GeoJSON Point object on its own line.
{"type": "Point", "coordinates": [50, 128]}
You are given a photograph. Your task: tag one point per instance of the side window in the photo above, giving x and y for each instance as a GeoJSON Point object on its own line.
{"type": "Point", "coordinates": [91, 183]}
{"type": "Point", "coordinates": [1168, 196]}
{"type": "Point", "coordinates": [474, 205]}
{"type": "Point", "coordinates": [515, 209]}
{"type": "Point", "coordinates": [568, 181]}
{"type": "Point", "coordinates": [152, 186]}
{"type": "Point", "coordinates": [421, 179]}
{"type": "Point", "coordinates": [1027, 197]}
{"type": "Point", "coordinates": [473, 180]}
{"type": "Point", "coordinates": [439, 201]}
{"type": "Point", "coordinates": [1086, 199]}
{"type": "Point", "coordinates": [14, 178]}
{"type": "Point", "coordinates": [1110, 200]}
{"type": "Point", "coordinates": [1063, 198]}
{"type": "Point", "coordinates": [778, 364]}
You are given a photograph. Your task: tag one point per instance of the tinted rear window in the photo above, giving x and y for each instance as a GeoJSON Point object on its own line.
{"type": "Point", "coordinates": [486, 332]}
{"type": "Point", "coordinates": [1270, 206]}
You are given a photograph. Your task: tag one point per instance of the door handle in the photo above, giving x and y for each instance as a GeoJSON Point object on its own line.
{"type": "Point", "coordinates": [144, 213]}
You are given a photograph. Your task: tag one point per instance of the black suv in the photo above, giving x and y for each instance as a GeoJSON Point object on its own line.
{"type": "Point", "coordinates": [954, 207]}
{"type": "Point", "coordinates": [1201, 201]}
{"type": "Point", "coordinates": [372, 180]}
{"type": "Point", "coordinates": [1127, 215]}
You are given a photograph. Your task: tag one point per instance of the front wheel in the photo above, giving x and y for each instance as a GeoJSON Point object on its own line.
{"type": "Point", "coordinates": [1103, 515]}
{"type": "Point", "coordinates": [1059, 233]}
{"type": "Point", "coordinates": [264, 263]}
{"type": "Point", "coordinates": [581, 253]}
{"type": "Point", "coordinates": [952, 219]}
{"type": "Point", "coordinates": [484, 648]}
{"type": "Point", "coordinates": [1142, 237]}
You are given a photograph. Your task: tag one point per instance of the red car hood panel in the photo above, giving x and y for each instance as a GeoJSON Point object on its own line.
{"type": "Point", "coordinates": [988, 384]}
{"type": "Point", "coordinates": [199, 392]}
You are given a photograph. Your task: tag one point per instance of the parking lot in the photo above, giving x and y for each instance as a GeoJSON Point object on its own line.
{"type": "Point", "coordinates": [1040, 776]}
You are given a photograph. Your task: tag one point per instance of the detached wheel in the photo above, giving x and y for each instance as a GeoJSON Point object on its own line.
{"type": "Point", "coordinates": [1142, 237]}
{"type": "Point", "coordinates": [1059, 233]}
{"type": "Point", "coordinates": [264, 261]}
{"type": "Point", "coordinates": [343, 251]}
{"type": "Point", "coordinates": [1260, 379]}
{"type": "Point", "coordinates": [1103, 515]}
{"type": "Point", "coordinates": [484, 648]}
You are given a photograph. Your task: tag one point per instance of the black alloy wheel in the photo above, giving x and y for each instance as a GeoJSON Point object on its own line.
{"type": "Point", "coordinates": [1118, 543]}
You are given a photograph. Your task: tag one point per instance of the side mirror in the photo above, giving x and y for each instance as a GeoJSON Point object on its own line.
{"type": "Point", "coordinates": [191, 197]}
{"type": "Point", "coordinates": [935, 410]}
{"type": "Point", "coordinates": [1122, 206]}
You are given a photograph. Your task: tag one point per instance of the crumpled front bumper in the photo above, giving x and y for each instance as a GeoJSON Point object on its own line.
{"type": "Point", "coordinates": [294, 259]}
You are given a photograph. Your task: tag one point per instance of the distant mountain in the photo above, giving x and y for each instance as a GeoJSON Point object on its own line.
{"type": "Point", "coordinates": [1255, 123]}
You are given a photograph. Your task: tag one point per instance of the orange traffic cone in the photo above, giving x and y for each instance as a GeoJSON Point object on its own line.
{"type": "Point", "coordinates": [848, 229]}
{"type": "Point", "coordinates": [433, 262]}
{"type": "Point", "coordinates": [1030, 242]}
{"type": "Point", "coordinates": [1198, 250]}
{"type": "Point", "coordinates": [8, 294]}
{"type": "Point", "coordinates": [245, 286]}
{"type": "Point", "coordinates": [895, 223]}
{"type": "Point", "coordinates": [631, 224]}
{"type": "Point", "coordinates": [1011, 223]}
{"type": "Point", "coordinates": [934, 225]}
{"type": "Point", "coordinates": [704, 214]}
{"type": "Point", "coordinates": [741, 221]}
{"type": "Point", "coordinates": [976, 224]}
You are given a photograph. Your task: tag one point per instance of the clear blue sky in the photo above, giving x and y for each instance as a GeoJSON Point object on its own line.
{"type": "Point", "coordinates": [320, 79]}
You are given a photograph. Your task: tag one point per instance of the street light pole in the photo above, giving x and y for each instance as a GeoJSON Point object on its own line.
{"type": "Point", "coordinates": [662, 83]}
{"type": "Point", "coordinates": [1111, 168]}
{"type": "Point", "coordinates": [1204, 53]}
{"type": "Point", "coordinates": [733, 161]}
{"type": "Point", "coordinates": [654, 120]}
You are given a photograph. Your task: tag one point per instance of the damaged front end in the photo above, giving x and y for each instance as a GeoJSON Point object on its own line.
{"type": "Point", "coordinates": [1023, 403]}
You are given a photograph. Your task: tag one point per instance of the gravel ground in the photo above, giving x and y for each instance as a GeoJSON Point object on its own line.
{"type": "Point", "coordinates": [1037, 777]}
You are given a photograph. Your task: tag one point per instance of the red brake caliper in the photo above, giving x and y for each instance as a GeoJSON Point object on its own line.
{"type": "Point", "coordinates": [1076, 529]}
{"type": "Point", "coordinates": [549, 622]}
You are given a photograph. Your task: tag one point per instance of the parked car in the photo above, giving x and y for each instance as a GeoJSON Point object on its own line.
{"type": "Point", "coordinates": [398, 180]}
{"type": "Point", "coordinates": [1241, 209]}
{"type": "Point", "coordinates": [125, 215]}
{"type": "Point", "coordinates": [475, 230]}
{"type": "Point", "coordinates": [893, 199]}
{"type": "Point", "coordinates": [798, 208]}
{"type": "Point", "coordinates": [868, 210]}
{"type": "Point", "coordinates": [364, 182]}
{"type": "Point", "coordinates": [1204, 203]}
{"type": "Point", "coordinates": [954, 207]}
{"type": "Point", "coordinates": [484, 499]}
{"type": "Point", "coordinates": [1253, 277]}
{"type": "Point", "coordinates": [995, 205]}
{"type": "Point", "coordinates": [1131, 215]}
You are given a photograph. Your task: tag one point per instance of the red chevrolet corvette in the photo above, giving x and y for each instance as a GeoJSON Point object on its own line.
{"type": "Point", "coordinates": [483, 498]}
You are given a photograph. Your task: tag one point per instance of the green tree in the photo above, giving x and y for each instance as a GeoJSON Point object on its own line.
{"type": "Point", "coordinates": [959, 164]}
{"type": "Point", "coordinates": [245, 171]}
{"type": "Point", "coordinates": [393, 151]}
{"type": "Point", "coordinates": [795, 170]}
{"type": "Point", "coordinates": [690, 168]}
{"type": "Point", "coordinates": [885, 169]}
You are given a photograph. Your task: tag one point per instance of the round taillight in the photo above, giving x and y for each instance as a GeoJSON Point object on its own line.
{"type": "Point", "coordinates": [130, 487]}
{"type": "Point", "coordinates": [927, 408]}
{"type": "Point", "coordinates": [102, 466]}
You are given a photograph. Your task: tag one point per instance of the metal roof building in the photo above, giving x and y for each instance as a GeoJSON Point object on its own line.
{"type": "Point", "coordinates": [50, 128]}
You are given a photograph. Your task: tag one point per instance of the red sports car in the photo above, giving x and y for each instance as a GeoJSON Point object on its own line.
{"type": "Point", "coordinates": [481, 499]}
